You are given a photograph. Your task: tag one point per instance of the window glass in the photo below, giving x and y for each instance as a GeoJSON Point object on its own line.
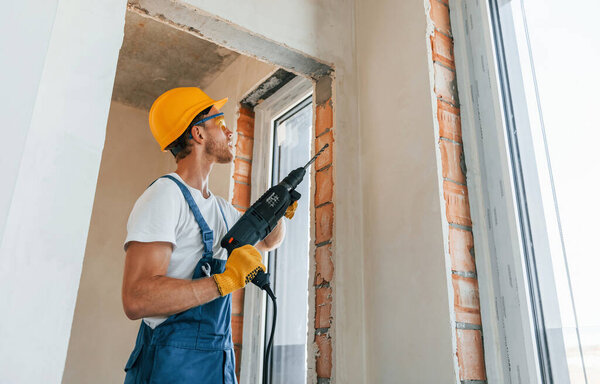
{"type": "Point", "coordinates": [565, 45]}
{"type": "Point", "coordinates": [289, 263]}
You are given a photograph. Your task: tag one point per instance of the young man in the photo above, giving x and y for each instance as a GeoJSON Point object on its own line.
{"type": "Point", "coordinates": [177, 277]}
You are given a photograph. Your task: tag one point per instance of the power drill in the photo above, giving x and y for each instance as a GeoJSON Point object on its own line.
{"type": "Point", "coordinates": [260, 219]}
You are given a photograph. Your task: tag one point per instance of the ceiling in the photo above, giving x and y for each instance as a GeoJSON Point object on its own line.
{"type": "Point", "coordinates": [155, 57]}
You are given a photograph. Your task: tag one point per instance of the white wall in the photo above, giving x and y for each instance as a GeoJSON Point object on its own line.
{"type": "Point", "coordinates": [408, 327]}
{"type": "Point", "coordinates": [55, 102]}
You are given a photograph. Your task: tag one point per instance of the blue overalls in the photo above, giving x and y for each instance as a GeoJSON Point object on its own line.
{"type": "Point", "coordinates": [193, 346]}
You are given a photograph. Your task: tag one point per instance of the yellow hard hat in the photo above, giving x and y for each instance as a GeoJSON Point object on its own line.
{"type": "Point", "coordinates": [173, 111]}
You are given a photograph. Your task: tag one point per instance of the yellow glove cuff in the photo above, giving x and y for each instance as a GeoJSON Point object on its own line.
{"type": "Point", "coordinates": [241, 267]}
{"type": "Point", "coordinates": [289, 212]}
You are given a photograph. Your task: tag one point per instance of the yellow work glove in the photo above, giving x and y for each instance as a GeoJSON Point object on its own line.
{"type": "Point", "coordinates": [241, 267]}
{"type": "Point", "coordinates": [289, 212]}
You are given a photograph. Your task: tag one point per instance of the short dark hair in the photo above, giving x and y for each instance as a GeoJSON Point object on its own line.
{"type": "Point", "coordinates": [181, 147]}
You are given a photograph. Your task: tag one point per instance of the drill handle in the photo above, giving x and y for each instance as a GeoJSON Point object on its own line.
{"type": "Point", "coordinates": [294, 196]}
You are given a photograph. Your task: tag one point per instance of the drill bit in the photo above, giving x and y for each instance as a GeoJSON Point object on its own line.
{"type": "Point", "coordinates": [315, 156]}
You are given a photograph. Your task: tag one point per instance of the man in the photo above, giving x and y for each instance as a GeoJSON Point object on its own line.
{"type": "Point", "coordinates": [177, 277]}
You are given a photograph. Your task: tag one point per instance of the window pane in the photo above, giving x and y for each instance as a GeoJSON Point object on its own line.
{"type": "Point", "coordinates": [565, 47]}
{"type": "Point", "coordinates": [289, 263]}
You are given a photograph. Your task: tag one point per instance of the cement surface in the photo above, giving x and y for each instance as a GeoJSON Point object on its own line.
{"type": "Point", "coordinates": [156, 57]}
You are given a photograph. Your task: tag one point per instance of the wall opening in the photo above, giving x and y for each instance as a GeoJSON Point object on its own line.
{"type": "Point", "coordinates": [159, 53]}
{"type": "Point", "coordinates": [154, 57]}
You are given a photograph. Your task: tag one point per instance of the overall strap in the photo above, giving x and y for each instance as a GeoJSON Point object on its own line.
{"type": "Point", "coordinates": [205, 232]}
{"type": "Point", "coordinates": [223, 214]}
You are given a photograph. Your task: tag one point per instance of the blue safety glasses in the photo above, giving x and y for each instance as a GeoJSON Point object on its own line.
{"type": "Point", "coordinates": [221, 124]}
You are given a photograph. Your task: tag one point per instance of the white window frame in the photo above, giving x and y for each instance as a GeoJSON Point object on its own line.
{"type": "Point", "coordinates": [501, 219]}
{"type": "Point", "coordinates": [266, 113]}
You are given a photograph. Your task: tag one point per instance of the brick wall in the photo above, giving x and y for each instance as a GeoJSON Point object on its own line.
{"type": "Point", "coordinates": [323, 203]}
{"type": "Point", "coordinates": [241, 200]}
{"type": "Point", "coordinates": [469, 348]}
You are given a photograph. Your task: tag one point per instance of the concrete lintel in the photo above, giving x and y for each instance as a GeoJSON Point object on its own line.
{"type": "Point", "coordinates": [229, 35]}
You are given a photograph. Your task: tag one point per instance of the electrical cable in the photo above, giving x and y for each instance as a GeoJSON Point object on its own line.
{"type": "Point", "coordinates": [267, 288]}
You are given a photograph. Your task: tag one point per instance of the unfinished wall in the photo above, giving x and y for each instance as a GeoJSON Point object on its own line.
{"type": "Point", "coordinates": [458, 226]}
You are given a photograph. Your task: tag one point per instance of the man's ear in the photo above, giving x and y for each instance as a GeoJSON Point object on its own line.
{"type": "Point", "coordinates": [197, 134]}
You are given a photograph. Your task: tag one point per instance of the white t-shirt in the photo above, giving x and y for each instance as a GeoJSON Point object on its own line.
{"type": "Point", "coordinates": [162, 214]}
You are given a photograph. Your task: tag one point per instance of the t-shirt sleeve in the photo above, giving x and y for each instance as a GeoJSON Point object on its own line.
{"type": "Point", "coordinates": [155, 215]}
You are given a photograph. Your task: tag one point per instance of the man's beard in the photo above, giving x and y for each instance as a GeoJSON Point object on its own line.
{"type": "Point", "coordinates": [219, 150]}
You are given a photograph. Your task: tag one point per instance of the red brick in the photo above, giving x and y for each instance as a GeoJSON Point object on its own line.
{"type": "Point", "coordinates": [323, 308]}
{"type": "Point", "coordinates": [326, 157]}
{"type": "Point", "coordinates": [324, 223]}
{"type": "Point", "coordinates": [238, 360]}
{"type": "Point", "coordinates": [442, 49]}
{"type": "Point", "coordinates": [324, 186]}
{"type": "Point", "coordinates": [451, 164]}
{"type": "Point", "coordinates": [237, 302]}
{"type": "Point", "coordinates": [460, 243]}
{"type": "Point", "coordinates": [245, 123]}
{"type": "Point", "coordinates": [449, 121]}
{"type": "Point", "coordinates": [466, 299]}
{"type": "Point", "coordinates": [324, 358]}
{"type": "Point", "coordinates": [237, 329]}
{"type": "Point", "coordinates": [242, 170]}
{"type": "Point", "coordinates": [445, 84]}
{"type": "Point", "coordinates": [440, 15]}
{"type": "Point", "coordinates": [244, 147]}
{"type": "Point", "coordinates": [241, 195]}
{"type": "Point", "coordinates": [324, 267]}
{"type": "Point", "coordinates": [457, 204]}
{"type": "Point", "coordinates": [324, 118]}
{"type": "Point", "coordinates": [470, 354]}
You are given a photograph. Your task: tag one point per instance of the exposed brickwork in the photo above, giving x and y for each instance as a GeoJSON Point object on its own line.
{"type": "Point", "coordinates": [324, 219]}
{"type": "Point", "coordinates": [324, 265]}
{"type": "Point", "coordinates": [242, 174]}
{"type": "Point", "coordinates": [460, 239]}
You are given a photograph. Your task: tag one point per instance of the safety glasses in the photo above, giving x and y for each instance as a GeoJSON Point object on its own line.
{"type": "Point", "coordinates": [219, 121]}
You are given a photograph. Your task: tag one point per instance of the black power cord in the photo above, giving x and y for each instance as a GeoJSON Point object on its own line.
{"type": "Point", "coordinates": [267, 288]}
{"type": "Point", "coordinates": [261, 280]}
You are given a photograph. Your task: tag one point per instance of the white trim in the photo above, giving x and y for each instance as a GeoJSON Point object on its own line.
{"type": "Point", "coordinates": [254, 300]}
{"type": "Point", "coordinates": [509, 339]}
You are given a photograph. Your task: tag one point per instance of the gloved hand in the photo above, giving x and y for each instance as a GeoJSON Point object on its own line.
{"type": "Point", "coordinates": [289, 212]}
{"type": "Point", "coordinates": [241, 267]}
